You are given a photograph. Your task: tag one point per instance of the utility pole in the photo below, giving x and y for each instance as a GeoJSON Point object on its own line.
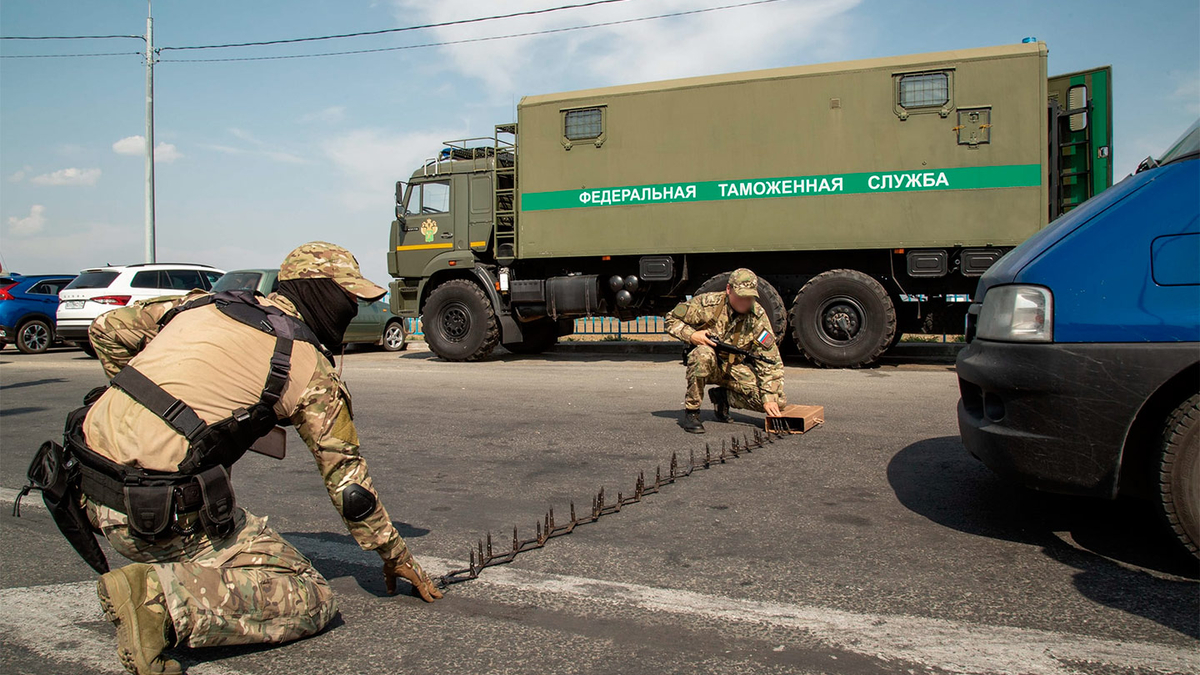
{"type": "Point", "coordinates": [150, 249]}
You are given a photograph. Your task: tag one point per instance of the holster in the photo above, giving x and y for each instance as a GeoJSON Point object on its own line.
{"type": "Point", "coordinates": [55, 473]}
{"type": "Point", "coordinates": [216, 515]}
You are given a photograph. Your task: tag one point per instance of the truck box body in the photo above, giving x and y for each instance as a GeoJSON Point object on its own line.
{"type": "Point", "coordinates": [803, 158]}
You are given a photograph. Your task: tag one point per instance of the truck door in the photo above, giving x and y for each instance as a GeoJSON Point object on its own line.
{"type": "Point", "coordinates": [480, 221]}
{"type": "Point", "coordinates": [1080, 137]}
{"type": "Point", "coordinates": [428, 227]}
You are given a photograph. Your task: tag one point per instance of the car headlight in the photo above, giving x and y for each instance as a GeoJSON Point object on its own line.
{"type": "Point", "coordinates": [1017, 314]}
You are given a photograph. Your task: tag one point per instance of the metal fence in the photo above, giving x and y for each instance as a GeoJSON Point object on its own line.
{"type": "Point", "coordinates": [604, 326]}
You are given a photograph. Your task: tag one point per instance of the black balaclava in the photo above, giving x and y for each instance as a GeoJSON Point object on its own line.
{"type": "Point", "coordinates": [326, 307]}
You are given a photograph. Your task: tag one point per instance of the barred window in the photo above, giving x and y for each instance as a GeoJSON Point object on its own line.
{"type": "Point", "coordinates": [926, 90]}
{"type": "Point", "coordinates": [584, 124]}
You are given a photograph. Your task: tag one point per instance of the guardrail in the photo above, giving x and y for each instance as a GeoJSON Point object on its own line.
{"type": "Point", "coordinates": [597, 325]}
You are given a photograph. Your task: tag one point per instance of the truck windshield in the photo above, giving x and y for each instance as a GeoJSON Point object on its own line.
{"type": "Point", "coordinates": [1187, 146]}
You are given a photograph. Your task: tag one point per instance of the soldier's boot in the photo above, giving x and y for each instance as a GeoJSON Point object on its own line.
{"type": "Point", "coordinates": [720, 401]}
{"type": "Point", "coordinates": [691, 422]}
{"type": "Point", "coordinates": [142, 630]}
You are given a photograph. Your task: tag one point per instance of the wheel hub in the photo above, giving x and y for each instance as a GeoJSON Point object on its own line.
{"type": "Point", "coordinates": [456, 322]}
{"type": "Point", "coordinates": [35, 337]}
{"type": "Point", "coordinates": [840, 320]}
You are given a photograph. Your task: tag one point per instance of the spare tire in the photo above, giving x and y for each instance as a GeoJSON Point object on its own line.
{"type": "Point", "coordinates": [843, 319]}
{"type": "Point", "coordinates": [768, 297]}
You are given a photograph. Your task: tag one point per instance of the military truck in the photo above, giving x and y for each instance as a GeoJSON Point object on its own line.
{"type": "Point", "coordinates": [867, 195]}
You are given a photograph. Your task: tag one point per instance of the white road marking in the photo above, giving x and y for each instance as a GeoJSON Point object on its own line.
{"type": "Point", "coordinates": [41, 615]}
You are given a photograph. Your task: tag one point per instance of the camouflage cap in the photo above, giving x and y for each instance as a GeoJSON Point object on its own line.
{"type": "Point", "coordinates": [322, 260]}
{"type": "Point", "coordinates": [744, 283]}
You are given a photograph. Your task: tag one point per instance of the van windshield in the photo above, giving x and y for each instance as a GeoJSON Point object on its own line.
{"type": "Point", "coordinates": [1188, 145]}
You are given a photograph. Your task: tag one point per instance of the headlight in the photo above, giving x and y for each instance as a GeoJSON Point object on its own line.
{"type": "Point", "coordinates": [1017, 314]}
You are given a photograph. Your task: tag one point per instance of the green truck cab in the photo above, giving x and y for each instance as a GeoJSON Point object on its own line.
{"type": "Point", "coordinates": [869, 196]}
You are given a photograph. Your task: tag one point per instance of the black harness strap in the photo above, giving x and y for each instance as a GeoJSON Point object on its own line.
{"type": "Point", "coordinates": [173, 411]}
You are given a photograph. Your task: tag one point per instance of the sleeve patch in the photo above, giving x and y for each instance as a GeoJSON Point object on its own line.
{"type": "Point", "coordinates": [766, 339]}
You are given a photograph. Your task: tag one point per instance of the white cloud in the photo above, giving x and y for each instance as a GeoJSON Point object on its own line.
{"type": "Point", "coordinates": [330, 115]}
{"type": "Point", "coordinates": [699, 44]}
{"type": "Point", "coordinates": [373, 160]}
{"type": "Point", "coordinates": [69, 176]}
{"type": "Point", "coordinates": [30, 224]}
{"type": "Point", "coordinates": [20, 174]}
{"type": "Point", "coordinates": [136, 145]}
{"type": "Point", "coordinates": [261, 149]}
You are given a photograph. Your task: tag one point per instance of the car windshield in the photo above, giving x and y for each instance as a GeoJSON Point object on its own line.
{"type": "Point", "coordinates": [93, 280]}
{"type": "Point", "coordinates": [1188, 145]}
{"type": "Point", "coordinates": [234, 281]}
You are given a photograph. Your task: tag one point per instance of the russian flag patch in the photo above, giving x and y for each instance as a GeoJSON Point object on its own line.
{"type": "Point", "coordinates": [766, 339]}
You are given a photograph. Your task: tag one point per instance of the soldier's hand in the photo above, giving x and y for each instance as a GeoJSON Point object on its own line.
{"type": "Point", "coordinates": [406, 567]}
{"type": "Point", "coordinates": [771, 408]}
{"type": "Point", "coordinates": [700, 339]}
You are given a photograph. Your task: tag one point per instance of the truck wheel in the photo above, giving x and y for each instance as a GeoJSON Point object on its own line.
{"type": "Point", "coordinates": [460, 324]}
{"type": "Point", "coordinates": [768, 297]}
{"type": "Point", "coordinates": [843, 319]}
{"type": "Point", "coordinates": [539, 336]}
{"type": "Point", "coordinates": [1179, 473]}
{"type": "Point", "coordinates": [34, 337]}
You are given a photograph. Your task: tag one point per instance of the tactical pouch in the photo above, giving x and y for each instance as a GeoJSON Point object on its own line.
{"type": "Point", "coordinates": [216, 515]}
{"type": "Point", "coordinates": [55, 473]}
{"type": "Point", "coordinates": [149, 508]}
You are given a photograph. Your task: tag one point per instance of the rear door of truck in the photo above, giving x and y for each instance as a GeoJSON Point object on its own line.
{"type": "Point", "coordinates": [1080, 137]}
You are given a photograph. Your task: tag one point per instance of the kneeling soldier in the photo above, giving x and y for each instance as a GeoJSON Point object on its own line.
{"type": "Point", "coordinates": [733, 317]}
{"type": "Point", "coordinates": [187, 399]}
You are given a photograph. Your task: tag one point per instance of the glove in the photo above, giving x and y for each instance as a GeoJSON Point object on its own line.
{"type": "Point", "coordinates": [405, 566]}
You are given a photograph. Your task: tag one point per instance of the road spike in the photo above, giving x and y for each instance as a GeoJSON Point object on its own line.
{"type": "Point", "coordinates": [516, 542]}
{"type": "Point", "coordinates": [657, 476]}
{"type": "Point", "coordinates": [674, 465]}
{"type": "Point", "coordinates": [572, 513]}
{"type": "Point", "coordinates": [489, 545]}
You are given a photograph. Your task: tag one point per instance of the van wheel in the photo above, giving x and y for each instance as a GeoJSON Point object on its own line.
{"type": "Point", "coordinates": [539, 336]}
{"type": "Point", "coordinates": [460, 324]}
{"type": "Point", "coordinates": [768, 297]}
{"type": "Point", "coordinates": [843, 319]}
{"type": "Point", "coordinates": [34, 337]}
{"type": "Point", "coordinates": [1179, 474]}
{"type": "Point", "coordinates": [393, 336]}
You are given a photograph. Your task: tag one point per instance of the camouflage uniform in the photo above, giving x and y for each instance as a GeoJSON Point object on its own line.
{"type": "Point", "coordinates": [251, 586]}
{"type": "Point", "coordinates": [749, 386]}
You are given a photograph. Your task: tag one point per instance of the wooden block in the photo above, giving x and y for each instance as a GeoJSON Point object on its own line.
{"type": "Point", "coordinates": [796, 419]}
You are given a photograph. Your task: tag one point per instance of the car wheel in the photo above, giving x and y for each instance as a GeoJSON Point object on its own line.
{"type": "Point", "coordinates": [393, 337]}
{"type": "Point", "coordinates": [1179, 474]}
{"type": "Point", "coordinates": [460, 324]}
{"type": "Point", "coordinates": [843, 319]}
{"type": "Point", "coordinates": [34, 337]}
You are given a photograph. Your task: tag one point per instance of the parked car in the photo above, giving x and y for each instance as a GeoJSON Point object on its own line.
{"type": "Point", "coordinates": [1082, 372]}
{"type": "Point", "coordinates": [98, 290]}
{"type": "Point", "coordinates": [27, 308]}
{"type": "Point", "coordinates": [374, 324]}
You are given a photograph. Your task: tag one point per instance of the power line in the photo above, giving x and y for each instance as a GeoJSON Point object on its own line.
{"type": "Point", "coordinates": [385, 31]}
{"type": "Point", "coordinates": [72, 37]}
{"type": "Point", "coordinates": [66, 56]}
{"type": "Point", "coordinates": [474, 40]}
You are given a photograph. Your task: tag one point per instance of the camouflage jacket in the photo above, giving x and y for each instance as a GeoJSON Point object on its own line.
{"type": "Point", "coordinates": [216, 365]}
{"type": "Point", "coordinates": [750, 331]}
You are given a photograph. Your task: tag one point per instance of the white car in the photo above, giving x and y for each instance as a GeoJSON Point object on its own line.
{"type": "Point", "coordinates": [102, 289]}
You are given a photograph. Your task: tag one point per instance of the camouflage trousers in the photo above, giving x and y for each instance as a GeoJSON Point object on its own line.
{"type": "Point", "coordinates": [706, 367]}
{"type": "Point", "coordinates": [249, 587]}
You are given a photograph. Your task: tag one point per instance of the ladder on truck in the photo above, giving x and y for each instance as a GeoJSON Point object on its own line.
{"type": "Point", "coordinates": [1070, 156]}
{"type": "Point", "coordinates": [505, 193]}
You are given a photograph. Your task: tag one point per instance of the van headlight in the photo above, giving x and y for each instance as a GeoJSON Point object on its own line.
{"type": "Point", "coordinates": [1017, 314]}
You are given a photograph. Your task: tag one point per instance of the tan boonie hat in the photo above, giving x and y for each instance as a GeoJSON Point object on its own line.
{"type": "Point", "coordinates": [744, 283]}
{"type": "Point", "coordinates": [322, 260]}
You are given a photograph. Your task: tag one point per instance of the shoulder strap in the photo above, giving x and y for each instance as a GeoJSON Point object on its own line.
{"type": "Point", "coordinates": [173, 411]}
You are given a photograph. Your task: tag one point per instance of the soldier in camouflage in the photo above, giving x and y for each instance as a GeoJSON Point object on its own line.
{"type": "Point", "coordinates": [251, 586]}
{"type": "Point", "coordinates": [732, 316]}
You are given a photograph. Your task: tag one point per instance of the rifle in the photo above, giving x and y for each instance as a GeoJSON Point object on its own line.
{"type": "Point", "coordinates": [750, 357]}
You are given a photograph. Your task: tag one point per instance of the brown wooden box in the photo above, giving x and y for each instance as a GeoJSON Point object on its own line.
{"type": "Point", "coordinates": [796, 419]}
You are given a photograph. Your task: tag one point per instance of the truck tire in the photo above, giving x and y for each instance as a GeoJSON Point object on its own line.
{"type": "Point", "coordinates": [843, 319]}
{"type": "Point", "coordinates": [460, 324]}
{"type": "Point", "coordinates": [539, 336]}
{"type": "Point", "coordinates": [768, 297]}
{"type": "Point", "coordinates": [1179, 473]}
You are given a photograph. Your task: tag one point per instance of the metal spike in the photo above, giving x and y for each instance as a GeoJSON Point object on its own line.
{"type": "Point", "coordinates": [472, 560]}
{"type": "Point", "coordinates": [551, 519]}
{"type": "Point", "coordinates": [481, 549]}
{"type": "Point", "coordinates": [516, 542]}
{"type": "Point", "coordinates": [572, 513]}
{"type": "Point", "coordinates": [674, 465]}
{"type": "Point", "coordinates": [708, 456]}
{"type": "Point", "coordinates": [489, 545]}
{"type": "Point", "coordinates": [657, 476]}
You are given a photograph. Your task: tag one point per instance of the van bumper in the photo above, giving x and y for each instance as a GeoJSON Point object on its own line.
{"type": "Point", "coordinates": [1055, 416]}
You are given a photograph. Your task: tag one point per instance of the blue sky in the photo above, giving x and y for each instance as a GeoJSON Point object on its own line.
{"type": "Point", "coordinates": [257, 157]}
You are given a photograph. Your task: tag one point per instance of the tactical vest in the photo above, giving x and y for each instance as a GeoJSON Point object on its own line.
{"type": "Point", "coordinates": [153, 500]}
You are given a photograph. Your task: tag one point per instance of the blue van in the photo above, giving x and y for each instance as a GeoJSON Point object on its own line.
{"type": "Point", "coordinates": [1082, 372]}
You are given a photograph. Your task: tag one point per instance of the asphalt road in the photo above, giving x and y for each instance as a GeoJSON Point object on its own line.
{"type": "Point", "coordinates": [873, 544]}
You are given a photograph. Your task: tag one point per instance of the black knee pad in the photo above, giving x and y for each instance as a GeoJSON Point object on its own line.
{"type": "Point", "coordinates": [357, 502]}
